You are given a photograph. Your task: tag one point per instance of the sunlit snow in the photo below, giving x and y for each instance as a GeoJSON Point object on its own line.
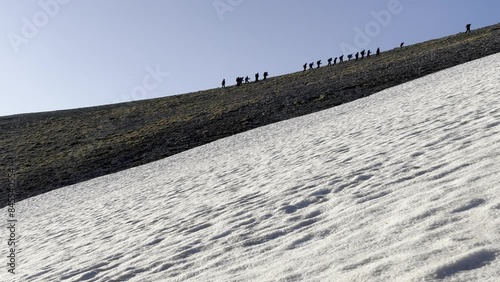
{"type": "Point", "coordinates": [401, 186]}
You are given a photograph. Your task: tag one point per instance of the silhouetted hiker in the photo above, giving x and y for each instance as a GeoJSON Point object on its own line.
{"type": "Point", "coordinates": [467, 28]}
{"type": "Point", "coordinates": [363, 54]}
{"type": "Point", "coordinates": [335, 61]}
{"type": "Point", "coordinates": [265, 75]}
{"type": "Point", "coordinates": [305, 66]}
{"type": "Point", "coordinates": [330, 61]}
{"type": "Point", "coordinates": [318, 63]}
{"type": "Point", "coordinates": [357, 56]}
{"type": "Point", "coordinates": [341, 58]}
{"type": "Point", "coordinates": [224, 83]}
{"type": "Point", "coordinates": [256, 77]}
{"type": "Point", "coordinates": [349, 57]}
{"type": "Point", "coordinates": [369, 53]}
{"type": "Point", "coordinates": [401, 45]}
{"type": "Point", "coordinates": [378, 51]}
{"type": "Point", "coordinates": [239, 81]}
{"type": "Point", "coordinates": [311, 65]}
{"type": "Point", "coordinates": [247, 79]}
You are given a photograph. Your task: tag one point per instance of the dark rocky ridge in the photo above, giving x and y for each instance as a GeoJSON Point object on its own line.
{"type": "Point", "coordinates": [55, 149]}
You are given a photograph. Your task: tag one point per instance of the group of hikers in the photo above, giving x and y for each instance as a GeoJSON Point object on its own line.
{"type": "Point", "coordinates": [357, 56]}
{"type": "Point", "coordinates": [360, 54]}
{"type": "Point", "coordinates": [341, 58]}
{"type": "Point", "coordinates": [239, 80]}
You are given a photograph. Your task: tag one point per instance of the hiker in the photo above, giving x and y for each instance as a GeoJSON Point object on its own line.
{"type": "Point", "coordinates": [265, 75]}
{"type": "Point", "coordinates": [335, 61]}
{"type": "Point", "coordinates": [363, 54]}
{"type": "Point", "coordinates": [330, 61]}
{"type": "Point", "coordinates": [349, 57]}
{"type": "Point", "coordinates": [305, 66]}
{"type": "Point", "coordinates": [247, 79]}
{"type": "Point", "coordinates": [357, 56]}
{"type": "Point", "coordinates": [369, 53]}
{"type": "Point", "coordinates": [401, 45]}
{"type": "Point", "coordinates": [341, 59]}
{"type": "Point", "coordinates": [257, 77]}
{"type": "Point", "coordinates": [311, 65]}
{"type": "Point", "coordinates": [239, 81]}
{"type": "Point", "coordinates": [467, 28]}
{"type": "Point", "coordinates": [224, 83]}
{"type": "Point", "coordinates": [318, 63]}
{"type": "Point", "coordinates": [378, 52]}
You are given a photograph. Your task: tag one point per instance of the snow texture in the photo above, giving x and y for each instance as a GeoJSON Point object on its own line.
{"type": "Point", "coordinates": [401, 186]}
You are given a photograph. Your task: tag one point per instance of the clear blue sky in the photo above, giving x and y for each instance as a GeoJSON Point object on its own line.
{"type": "Point", "coordinates": [61, 54]}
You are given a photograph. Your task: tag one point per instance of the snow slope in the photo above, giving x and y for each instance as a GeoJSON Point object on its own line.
{"type": "Point", "coordinates": [401, 186]}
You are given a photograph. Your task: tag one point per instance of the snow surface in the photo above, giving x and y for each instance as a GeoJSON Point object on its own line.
{"type": "Point", "coordinates": [401, 186]}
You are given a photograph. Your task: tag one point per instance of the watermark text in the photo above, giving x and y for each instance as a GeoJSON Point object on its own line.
{"type": "Point", "coordinates": [11, 221]}
{"type": "Point", "coordinates": [32, 26]}
{"type": "Point", "coordinates": [381, 19]}
{"type": "Point", "coordinates": [223, 6]}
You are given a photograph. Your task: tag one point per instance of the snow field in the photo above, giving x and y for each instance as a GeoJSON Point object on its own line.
{"type": "Point", "coordinates": [401, 186]}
